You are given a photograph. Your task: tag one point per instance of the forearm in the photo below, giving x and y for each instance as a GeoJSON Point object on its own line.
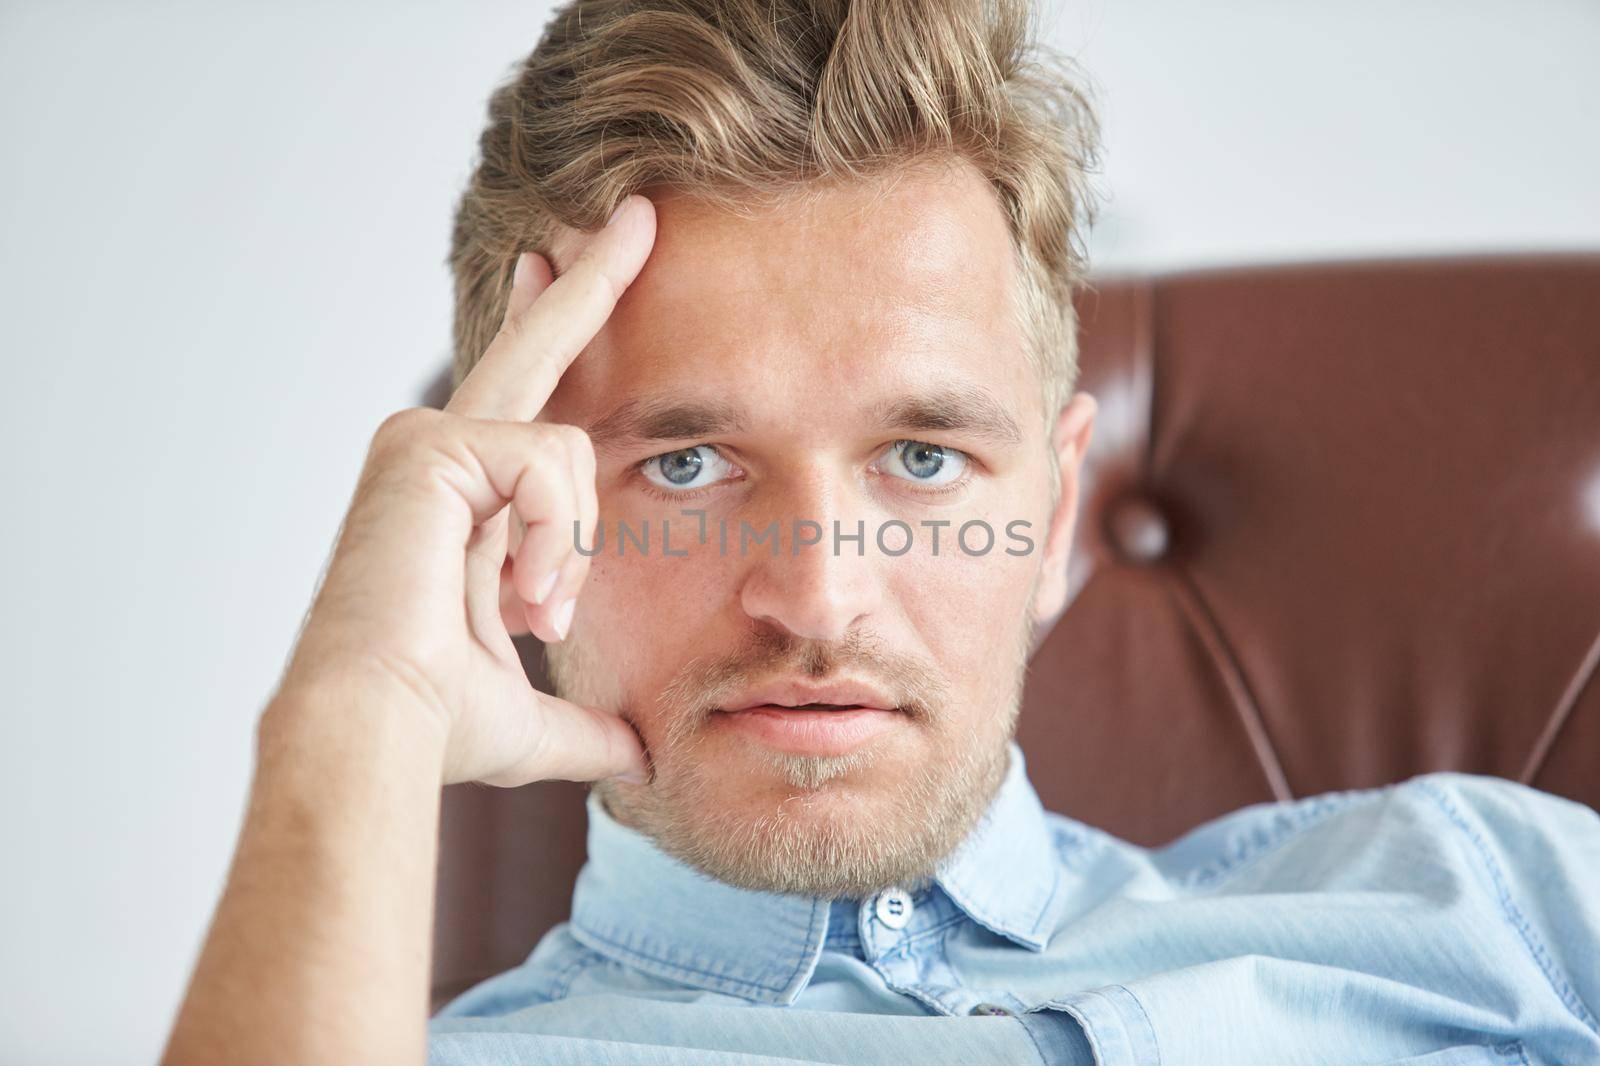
{"type": "Point", "coordinates": [320, 949]}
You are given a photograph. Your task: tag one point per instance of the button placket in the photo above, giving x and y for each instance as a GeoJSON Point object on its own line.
{"type": "Point", "coordinates": [924, 973]}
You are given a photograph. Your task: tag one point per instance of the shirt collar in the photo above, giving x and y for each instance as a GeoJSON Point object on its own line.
{"type": "Point", "coordinates": [637, 904]}
{"type": "Point", "coordinates": [1006, 875]}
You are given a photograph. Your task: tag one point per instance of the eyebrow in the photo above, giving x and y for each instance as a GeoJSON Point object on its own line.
{"type": "Point", "coordinates": [961, 408]}
{"type": "Point", "coordinates": [638, 421]}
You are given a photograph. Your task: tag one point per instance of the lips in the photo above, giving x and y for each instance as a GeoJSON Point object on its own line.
{"type": "Point", "coordinates": [837, 695]}
{"type": "Point", "coordinates": [802, 718]}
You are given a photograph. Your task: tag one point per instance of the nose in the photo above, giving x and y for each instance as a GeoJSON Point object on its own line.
{"type": "Point", "coordinates": [817, 593]}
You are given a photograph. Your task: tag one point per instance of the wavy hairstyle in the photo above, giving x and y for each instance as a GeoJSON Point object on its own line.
{"type": "Point", "coordinates": [742, 102]}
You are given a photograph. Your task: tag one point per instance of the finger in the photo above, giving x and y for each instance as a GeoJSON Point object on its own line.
{"type": "Point", "coordinates": [546, 540]}
{"type": "Point", "coordinates": [575, 567]}
{"type": "Point", "coordinates": [488, 464]}
{"type": "Point", "coordinates": [512, 606]}
{"type": "Point", "coordinates": [486, 559]}
{"type": "Point", "coordinates": [520, 368]}
{"type": "Point", "coordinates": [535, 573]}
{"type": "Point", "coordinates": [530, 277]}
{"type": "Point", "coordinates": [546, 549]}
{"type": "Point", "coordinates": [420, 462]}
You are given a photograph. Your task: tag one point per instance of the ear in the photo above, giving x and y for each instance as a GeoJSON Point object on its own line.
{"type": "Point", "coordinates": [511, 606]}
{"type": "Point", "coordinates": [1073, 429]}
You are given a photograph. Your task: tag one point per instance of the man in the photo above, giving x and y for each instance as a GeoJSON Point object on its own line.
{"type": "Point", "coordinates": [835, 325]}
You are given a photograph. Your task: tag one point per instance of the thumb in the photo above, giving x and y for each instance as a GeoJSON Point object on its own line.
{"type": "Point", "coordinates": [572, 742]}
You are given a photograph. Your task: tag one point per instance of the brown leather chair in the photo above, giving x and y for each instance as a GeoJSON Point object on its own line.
{"type": "Point", "coordinates": [1340, 526]}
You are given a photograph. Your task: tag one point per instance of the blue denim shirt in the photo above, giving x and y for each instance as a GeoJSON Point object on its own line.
{"type": "Point", "coordinates": [1451, 919]}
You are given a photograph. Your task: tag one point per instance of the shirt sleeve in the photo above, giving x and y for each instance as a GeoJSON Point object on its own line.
{"type": "Point", "coordinates": [1540, 855]}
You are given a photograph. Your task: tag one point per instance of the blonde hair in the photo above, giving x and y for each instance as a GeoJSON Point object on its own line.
{"type": "Point", "coordinates": [740, 102]}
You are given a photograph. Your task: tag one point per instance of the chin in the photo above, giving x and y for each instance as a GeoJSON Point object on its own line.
{"type": "Point", "coordinates": [869, 769]}
{"type": "Point", "coordinates": [832, 826]}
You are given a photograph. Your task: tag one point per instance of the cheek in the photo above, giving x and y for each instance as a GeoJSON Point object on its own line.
{"type": "Point", "coordinates": [658, 570]}
{"type": "Point", "coordinates": [637, 588]}
{"type": "Point", "coordinates": [971, 606]}
{"type": "Point", "coordinates": [651, 591]}
{"type": "Point", "coordinates": [968, 610]}
{"type": "Point", "coordinates": [976, 643]}
{"type": "Point", "coordinates": [645, 615]}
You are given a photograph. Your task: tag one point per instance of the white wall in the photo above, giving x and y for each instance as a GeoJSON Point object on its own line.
{"type": "Point", "coordinates": [222, 234]}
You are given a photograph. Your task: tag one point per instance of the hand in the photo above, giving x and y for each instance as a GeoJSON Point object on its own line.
{"type": "Point", "coordinates": [410, 612]}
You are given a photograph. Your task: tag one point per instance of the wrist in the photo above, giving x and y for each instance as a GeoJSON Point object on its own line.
{"type": "Point", "coordinates": [352, 714]}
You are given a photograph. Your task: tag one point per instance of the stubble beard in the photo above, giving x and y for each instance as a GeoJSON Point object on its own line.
{"type": "Point", "coordinates": [827, 837]}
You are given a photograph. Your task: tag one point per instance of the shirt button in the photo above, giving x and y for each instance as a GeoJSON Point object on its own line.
{"type": "Point", "coordinates": [894, 908]}
{"type": "Point", "coordinates": [991, 1009]}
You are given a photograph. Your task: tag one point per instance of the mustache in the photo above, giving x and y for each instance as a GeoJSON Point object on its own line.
{"type": "Point", "coordinates": [706, 683]}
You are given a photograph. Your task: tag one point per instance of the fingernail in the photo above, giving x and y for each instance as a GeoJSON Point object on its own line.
{"type": "Point", "coordinates": [546, 585]}
{"type": "Point", "coordinates": [519, 269]}
{"type": "Point", "coordinates": [564, 617]}
{"type": "Point", "coordinates": [617, 211]}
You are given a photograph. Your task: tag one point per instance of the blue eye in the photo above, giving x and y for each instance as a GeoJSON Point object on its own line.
{"type": "Point", "coordinates": [924, 463]}
{"type": "Point", "coordinates": [677, 471]}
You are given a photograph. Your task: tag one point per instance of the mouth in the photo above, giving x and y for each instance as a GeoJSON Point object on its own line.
{"type": "Point", "coordinates": [801, 694]}
{"type": "Point", "coordinates": [816, 706]}
{"type": "Point", "coordinates": [802, 716]}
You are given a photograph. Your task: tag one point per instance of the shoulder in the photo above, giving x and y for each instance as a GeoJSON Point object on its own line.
{"type": "Point", "coordinates": [1214, 851]}
{"type": "Point", "coordinates": [1510, 824]}
{"type": "Point", "coordinates": [546, 976]}
{"type": "Point", "coordinates": [1538, 854]}
{"type": "Point", "coordinates": [1485, 821]}
{"type": "Point", "coordinates": [1210, 853]}
{"type": "Point", "coordinates": [1496, 799]}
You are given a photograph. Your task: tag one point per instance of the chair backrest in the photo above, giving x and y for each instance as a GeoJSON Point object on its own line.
{"type": "Point", "coordinates": [1340, 525]}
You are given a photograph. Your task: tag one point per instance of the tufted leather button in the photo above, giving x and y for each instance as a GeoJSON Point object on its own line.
{"type": "Point", "coordinates": [1137, 529]}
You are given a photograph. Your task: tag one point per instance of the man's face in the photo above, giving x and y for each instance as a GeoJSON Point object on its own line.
{"type": "Point", "coordinates": [853, 359]}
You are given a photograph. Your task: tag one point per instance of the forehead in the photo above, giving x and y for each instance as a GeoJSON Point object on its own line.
{"type": "Point", "coordinates": [870, 283]}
